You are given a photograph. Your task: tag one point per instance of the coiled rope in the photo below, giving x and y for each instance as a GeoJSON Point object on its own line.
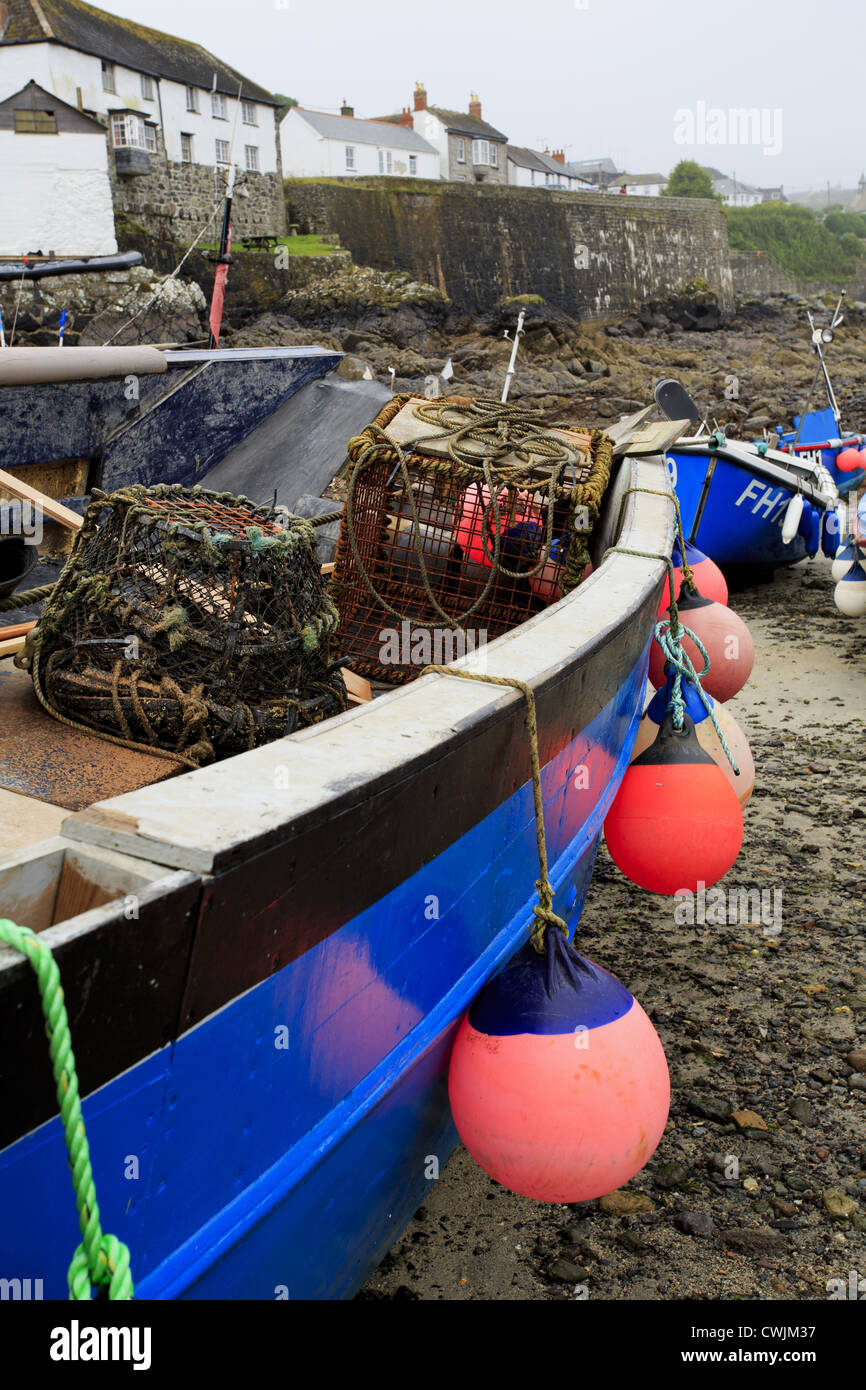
{"type": "Point", "coordinates": [101, 1260]}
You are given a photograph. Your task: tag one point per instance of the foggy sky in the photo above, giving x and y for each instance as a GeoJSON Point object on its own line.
{"type": "Point", "coordinates": [595, 77]}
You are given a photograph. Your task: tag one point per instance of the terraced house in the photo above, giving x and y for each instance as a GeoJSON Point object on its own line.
{"type": "Point", "coordinates": [174, 114]}
{"type": "Point", "coordinates": [470, 149]}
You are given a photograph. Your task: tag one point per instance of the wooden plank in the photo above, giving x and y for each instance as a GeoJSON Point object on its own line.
{"type": "Point", "coordinates": [406, 428]}
{"type": "Point", "coordinates": [652, 438]}
{"type": "Point", "coordinates": [625, 426]}
{"type": "Point", "coordinates": [25, 821]}
{"type": "Point", "coordinates": [78, 893]}
{"type": "Point", "coordinates": [11, 647]}
{"type": "Point", "coordinates": [16, 630]}
{"type": "Point", "coordinates": [357, 688]}
{"type": "Point", "coordinates": [53, 509]}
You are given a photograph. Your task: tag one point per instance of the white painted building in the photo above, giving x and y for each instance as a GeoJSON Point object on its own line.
{"type": "Point", "coordinates": [640, 185]}
{"type": "Point", "coordinates": [176, 94]}
{"type": "Point", "coordinates": [541, 169]}
{"type": "Point", "coordinates": [316, 144]}
{"type": "Point", "coordinates": [55, 168]}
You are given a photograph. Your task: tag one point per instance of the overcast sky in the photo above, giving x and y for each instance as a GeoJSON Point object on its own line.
{"type": "Point", "coordinates": [643, 81]}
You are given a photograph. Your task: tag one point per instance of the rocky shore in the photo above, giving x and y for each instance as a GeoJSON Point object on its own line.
{"type": "Point", "coordinates": [758, 1188]}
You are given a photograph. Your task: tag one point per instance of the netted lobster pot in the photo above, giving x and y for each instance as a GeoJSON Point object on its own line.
{"type": "Point", "coordinates": [462, 519]}
{"type": "Point", "coordinates": [189, 621]}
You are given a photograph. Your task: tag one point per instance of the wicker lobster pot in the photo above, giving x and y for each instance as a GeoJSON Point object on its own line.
{"type": "Point", "coordinates": [462, 519]}
{"type": "Point", "coordinates": [189, 621]}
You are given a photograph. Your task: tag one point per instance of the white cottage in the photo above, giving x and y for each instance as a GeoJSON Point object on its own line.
{"type": "Point", "coordinates": [316, 144]}
{"type": "Point", "coordinates": [172, 110]}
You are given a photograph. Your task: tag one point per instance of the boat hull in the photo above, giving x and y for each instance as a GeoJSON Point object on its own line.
{"type": "Point", "coordinates": [263, 1053]}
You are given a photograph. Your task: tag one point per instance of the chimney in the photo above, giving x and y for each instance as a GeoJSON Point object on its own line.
{"type": "Point", "coordinates": [346, 110]}
{"type": "Point", "coordinates": [406, 118]}
{"type": "Point", "coordinates": [420, 97]}
{"type": "Point", "coordinates": [559, 156]}
{"type": "Point", "coordinates": [474, 106]}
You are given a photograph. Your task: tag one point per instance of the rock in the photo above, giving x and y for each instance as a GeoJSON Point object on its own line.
{"type": "Point", "coordinates": [670, 1175]}
{"type": "Point", "coordinates": [567, 1272]}
{"type": "Point", "coordinates": [623, 1203]}
{"type": "Point", "coordinates": [837, 1205]}
{"type": "Point", "coordinates": [695, 1223]}
{"type": "Point", "coordinates": [801, 1110]}
{"type": "Point", "coordinates": [718, 1111]}
{"type": "Point", "coordinates": [755, 1241]}
{"type": "Point", "coordinates": [857, 1058]}
{"type": "Point", "coordinates": [352, 368]}
{"type": "Point", "coordinates": [748, 1119]}
{"type": "Point", "coordinates": [857, 1083]}
{"type": "Point", "coordinates": [751, 1185]}
{"type": "Point", "coordinates": [782, 1207]}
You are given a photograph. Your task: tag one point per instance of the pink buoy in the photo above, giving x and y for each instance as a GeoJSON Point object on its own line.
{"type": "Point", "coordinates": [558, 1083]}
{"type": "Point", "coordinates": [469, 530]}
{"type": "Point", "coordinates": [849, 460]}
{"type": "Point", "coordinates": [727, 640]}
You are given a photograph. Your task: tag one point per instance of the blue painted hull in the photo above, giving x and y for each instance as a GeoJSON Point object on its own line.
{"type": "Point", "coordinates": [818, 442]}
{"type": "Point", "coordinates": [237, 1168]}
{"type": "Point", "coordinates": [742, 519]}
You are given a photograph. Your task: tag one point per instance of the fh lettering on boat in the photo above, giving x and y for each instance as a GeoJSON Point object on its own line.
{"type": "Point", "coordinates": [77, 1343]}
{"type": "Point", "coordinates": [767, 499]}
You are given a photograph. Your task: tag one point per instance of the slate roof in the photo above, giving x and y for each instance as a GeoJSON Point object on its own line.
{"type": "Point", "coordinates": [462, 124]}
{"type": "Point", "coordinates": [640, 180]}
{"type": "Point", "coordinates": [83, 27]}
{"type": "Point", "coordinates": [539, 160]}
{"type": "Point", "coordinates": [32, 97]}
{"type": "Point", "coordinates": [358, 132]}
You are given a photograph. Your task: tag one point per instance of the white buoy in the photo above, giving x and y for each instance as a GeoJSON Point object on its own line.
{"type": "Point", "coordinates": [793, 512]}
{"type": "Point", "coordinates": [847, 555]}
{"type": "Point", "coordinates": [850, 593]}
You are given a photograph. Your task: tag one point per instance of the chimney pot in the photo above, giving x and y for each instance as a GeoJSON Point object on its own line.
{"type": "Point", "coordinates": [559, 156]}
{"type": "Point", "coordinates": [420, 97]}
{"type": "Point", "coordinates": [406, 118]}
{"type": "Point", "coordinates": [474, 105]}
{"type": "Point", "coordinates": [346, 110]}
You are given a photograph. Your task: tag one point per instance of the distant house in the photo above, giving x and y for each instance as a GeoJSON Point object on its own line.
{"type": "Point", "coordinates": [736, 194]}
{"type": "Point", "coordinates": [641, 185]}
{"type": "Point", "coordinates": [317, 145]}
{"type": "Point", "coordinates": [470, 149]}
{"type": "Point", "coordinates": [540, 169]}
{"type": "Point", "coordinates": [174, 114]}
{"type": "Point", "coordinates": [55, 165]}
{"type": "Point", "coordinates": [599, 173]}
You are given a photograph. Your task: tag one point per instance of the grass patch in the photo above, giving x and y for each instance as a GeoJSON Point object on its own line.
{"type": "Point", "coordinates": [798, 239]}
{"type": "Point", "coordinates": [295, 245]}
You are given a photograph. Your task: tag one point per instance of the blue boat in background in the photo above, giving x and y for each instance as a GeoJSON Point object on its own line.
{"type": "Point", "coordinates": [262, 1044]}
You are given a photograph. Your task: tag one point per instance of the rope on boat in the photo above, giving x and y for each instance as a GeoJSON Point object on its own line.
{"type": "Point", "coordinates": [543, 910]}
{"type": "Point", "coordinates": [25, 598]}
{"type": "Point", "coordinates": [101, 1260]}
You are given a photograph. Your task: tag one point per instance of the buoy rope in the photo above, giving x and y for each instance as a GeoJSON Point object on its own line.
{"type": "Point", "coordinates": [25, 598]}
{"type": "Point", "coordinates": [543, 910]}
{"type": "Point", "coordinates": [669, 635]}
{"type": "Point", "coordinates": [101, 1260]}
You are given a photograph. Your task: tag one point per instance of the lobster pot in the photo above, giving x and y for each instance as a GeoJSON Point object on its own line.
{"type": "Point", "coordinates": [462, 519]}
{"type": "Point", "coordinates": [189, 621]}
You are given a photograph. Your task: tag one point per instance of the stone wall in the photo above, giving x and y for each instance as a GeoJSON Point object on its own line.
{"type": "Point", "coordinates": [98, 305]}
{"type": "Point", "coordinates": [590, 254]}
{"type": "Point", "coordinates": [756, 274]}
{"type": "Point", "coordinates": [178, 199]}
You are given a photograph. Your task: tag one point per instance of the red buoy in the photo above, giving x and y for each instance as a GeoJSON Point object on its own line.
{"type": "Point", "coordinates": [728, 642]}
{"type": "Point", "coordinates": [743, 780]}
{"type": "Point", "coordinates": [675, 821]}
{"type": "Point", "coordinates": [705, 572]}
{"type": "Point", "coordinates": [558, 1084]}
{"type": "Point", "coordinates": [849, 460]}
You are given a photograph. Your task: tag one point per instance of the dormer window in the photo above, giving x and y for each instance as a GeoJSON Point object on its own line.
{"type": "Point", "coordinates": [35, 123]}
{"type": "Point", "coordinates": [109, 81]}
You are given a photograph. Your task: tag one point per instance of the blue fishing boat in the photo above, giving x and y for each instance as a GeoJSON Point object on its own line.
{"type": "Point", "coordinates": [735, 497]}
{"type": "Point", "coordinates": [265, 959]}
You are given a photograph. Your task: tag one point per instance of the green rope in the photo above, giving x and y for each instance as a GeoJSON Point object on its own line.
{"type": "Point", "coordinates": [25, 598]}
{"type": "Point", "coordinates": [101, 1260]}
{"type": "Point", "coordinates": [543, 910]}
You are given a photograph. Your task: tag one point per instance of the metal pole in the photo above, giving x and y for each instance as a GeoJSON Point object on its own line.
{"type": "Point", "coordinates": [518, 334]}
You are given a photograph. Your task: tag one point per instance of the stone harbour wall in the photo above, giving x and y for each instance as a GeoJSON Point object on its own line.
{"type": "Point", "coordinates": [589, 254]}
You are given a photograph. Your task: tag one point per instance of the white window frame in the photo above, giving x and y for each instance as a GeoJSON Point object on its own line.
{"type": "Point", "coordinates": [249, 113]}
{"type": "Point", "coordinates": [192, 102]}
{"type": "Point", "coordinates": [151, 143]}
{"type": "Point", "coordinates": [186, 147]}
{"type": "Point", "coordinates": [350, 156]}
{"type": "Point", "coordinates": [494, 155]}
{"type": "Point", "coordinates": [461, 150]}
{"type": "Point", "coordinates": [147, 87]}
{"type": "Point", "coordinates": [480, 151]}
{"type": "Point", "coordinates": [218, 106]}
{"type": "Point", "coordinates": [127, 131]}
{"type": "Point", "coordinates": [109, 76]}
{"type": "Point", "coordinates": [413, 164]}
{"type": "Point", "coordinates": [226, 147]}
{"type": "Point", "coordinates": [386, 161]}
{"type": "Point", "coordinates": [251, 159]}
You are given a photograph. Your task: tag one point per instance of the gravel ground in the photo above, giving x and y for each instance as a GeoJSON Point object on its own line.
{"type": "Point", "coordinates": [758, 1188]}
